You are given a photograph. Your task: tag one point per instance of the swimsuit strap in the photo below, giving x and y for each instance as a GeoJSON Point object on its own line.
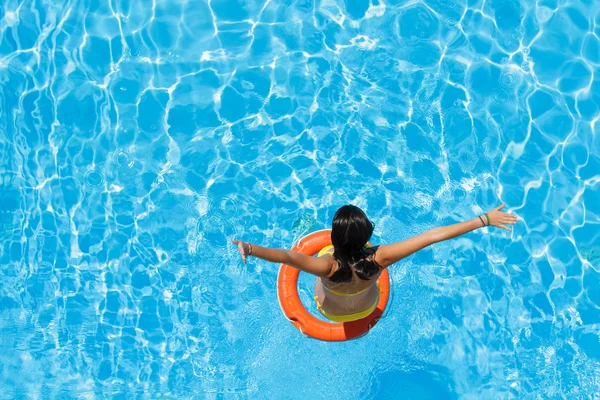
{"type": "Point", "coordinates": [372, 257]}
{"type": "Point", "coordinates": [344, 294]}
{"type": "Point", "coordinates": [346, 317]}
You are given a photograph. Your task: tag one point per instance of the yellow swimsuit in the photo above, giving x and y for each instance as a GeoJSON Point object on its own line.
{"type": "Point", "coordinates": [345, 317]}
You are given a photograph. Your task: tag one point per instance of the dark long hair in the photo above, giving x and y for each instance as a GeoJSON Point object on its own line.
{"type": "Point", "coordinates": [350, 232]}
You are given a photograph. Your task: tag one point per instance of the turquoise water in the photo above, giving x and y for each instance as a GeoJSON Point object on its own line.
{"type": "Point", "coordinates": [137, 138]}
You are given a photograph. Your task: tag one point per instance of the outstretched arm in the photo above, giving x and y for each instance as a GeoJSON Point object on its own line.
{"type": "Point", "coordinates": [319, 266]}
{"type": "Point", "coordinates": [391, 253]}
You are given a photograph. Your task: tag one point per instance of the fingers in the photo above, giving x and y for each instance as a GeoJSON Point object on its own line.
{"type": "Point", "coordinates": [242, 253]}
{"type": "Point", "coordinates": [240, 246]}
{"type": "Point", "coordinates": [509, 219]}
{"type": "Point", "coordinates": [500, 207]}
{"type": "Point", "coordinates": [504, 227]}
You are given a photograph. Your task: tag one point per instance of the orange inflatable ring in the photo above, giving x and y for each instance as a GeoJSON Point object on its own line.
{"type": "Point", "coordinates": [287, 293]}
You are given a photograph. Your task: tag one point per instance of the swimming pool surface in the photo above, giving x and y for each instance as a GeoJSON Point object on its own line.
{"type": "Point", "coordinates": [138, 137]}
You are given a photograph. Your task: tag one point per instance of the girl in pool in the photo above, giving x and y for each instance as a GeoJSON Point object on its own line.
{"type": "Point", "coordinates": [345, 289]}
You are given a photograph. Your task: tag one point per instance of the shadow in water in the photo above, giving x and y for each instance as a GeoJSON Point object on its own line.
{"type": "Point", "coordinates": [433, 382]}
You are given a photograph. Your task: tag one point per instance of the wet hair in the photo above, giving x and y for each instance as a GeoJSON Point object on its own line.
{"type": "Point", "coordinates": [350, 232]}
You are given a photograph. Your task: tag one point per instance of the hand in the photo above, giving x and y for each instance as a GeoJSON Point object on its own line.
{"type": "Point", "coordinates": [243, 247]}
{"type": "Point", "coordinates": [499, 218]}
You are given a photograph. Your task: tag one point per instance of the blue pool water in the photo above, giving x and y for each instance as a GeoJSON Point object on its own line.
{"type": "Point", "coordinates": [138, 137]}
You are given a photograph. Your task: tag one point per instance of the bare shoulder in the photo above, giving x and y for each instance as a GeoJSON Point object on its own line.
{"type": "Point", "coordinates": [334, 265]}
{"type": "Point", "coordinates": [379, 258]}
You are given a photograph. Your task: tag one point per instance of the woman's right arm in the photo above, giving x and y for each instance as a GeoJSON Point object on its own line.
{"type": "Point", "coordinates": [388, 254]}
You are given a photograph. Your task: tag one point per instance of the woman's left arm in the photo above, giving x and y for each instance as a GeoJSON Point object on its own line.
{"type": "Point", "coordinates": [319, 266]}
